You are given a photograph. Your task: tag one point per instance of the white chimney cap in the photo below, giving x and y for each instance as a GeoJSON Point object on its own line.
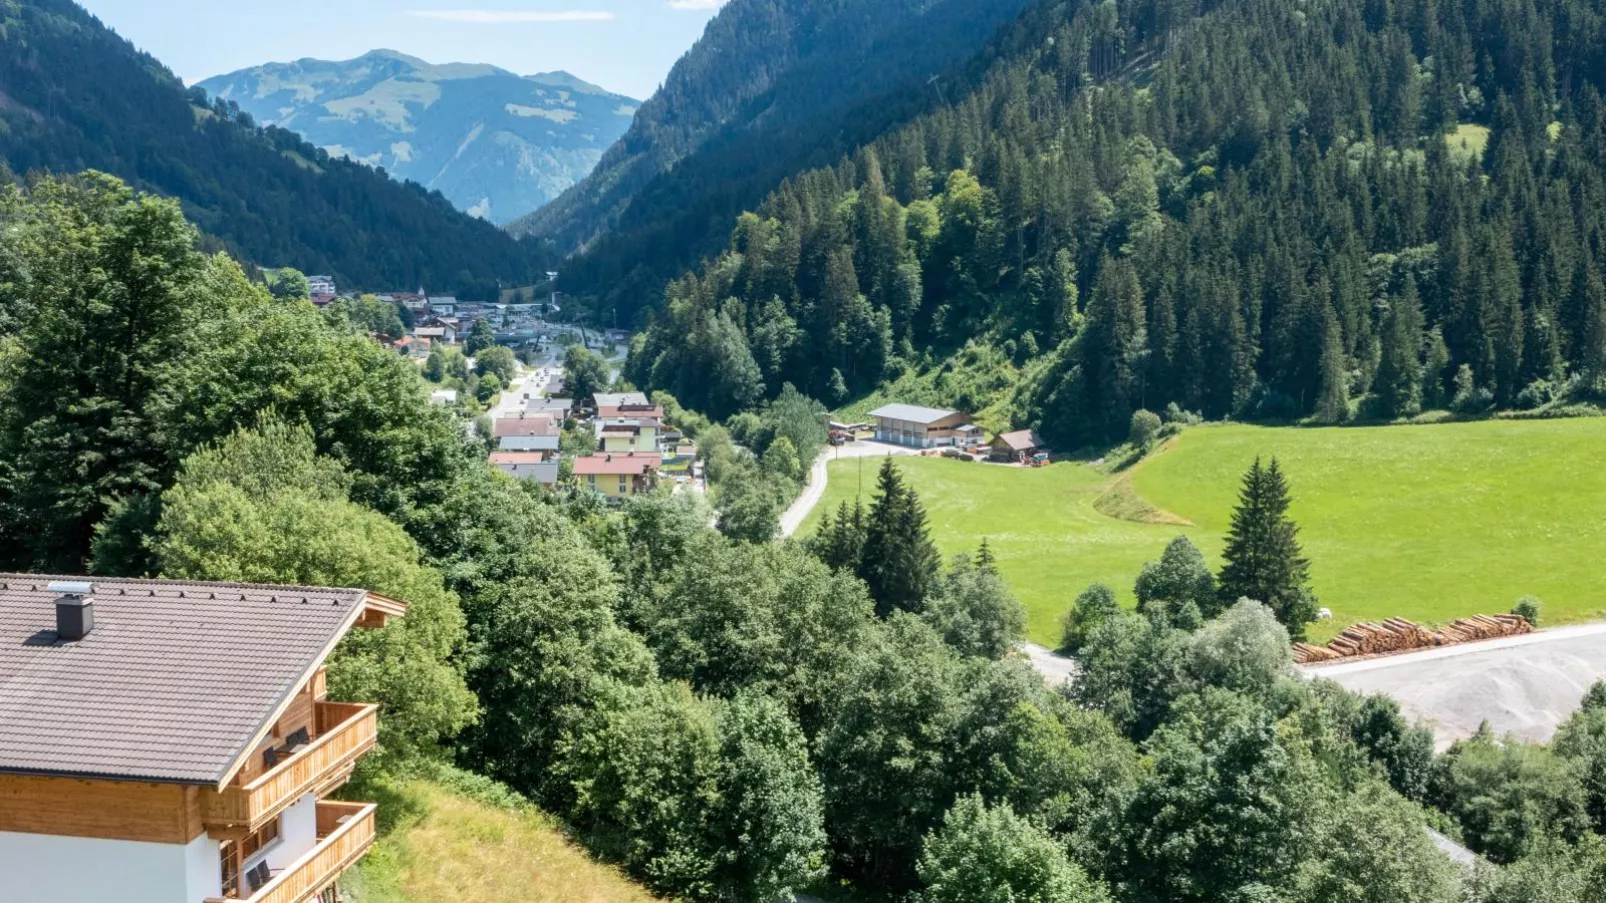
{"type": "Point", "coordinates": [72, 587]}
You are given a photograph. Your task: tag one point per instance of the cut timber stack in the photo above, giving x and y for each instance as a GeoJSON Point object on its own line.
{"type": "Point", "coordinates": [1399, 635]}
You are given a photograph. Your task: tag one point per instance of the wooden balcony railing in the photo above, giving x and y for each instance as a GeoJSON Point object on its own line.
{"type": "Point", "coordinates": [345, 834]}
{"type": "Point", "coordinates": [347, 731]}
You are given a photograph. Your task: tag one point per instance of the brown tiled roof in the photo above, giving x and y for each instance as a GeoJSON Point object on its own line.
{"type": "Point", "coordinates": [1021, 440]}
{"type": "Point", "coordinates": [542, 423]}
{"type": "Point", "coordinates": [173, 682]}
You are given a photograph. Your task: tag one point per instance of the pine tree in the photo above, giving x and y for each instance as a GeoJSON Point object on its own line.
{"type": "Point", "coordinates": [986, 561]}
{"type": "Point", "coordinates": [840, 541]}
{"type": "Point", "coordinates": [1113, 343]}
{"type": "Point", "coordinates": [1332, 402]}
{"type": "Point", "coordinates": [1590, 298]}
{"type": "Point", "coordinates": [900, 563]}
{"type": "Point", "coordinates": [1398, 383]}
{"type": "Point", "coordinates": [1264, 560]}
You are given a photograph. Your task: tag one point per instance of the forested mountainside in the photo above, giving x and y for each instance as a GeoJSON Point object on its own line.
{"type": "Point", "coordinates": [75, 96]}
{"type": "Point", "coordinates": [1251, 208]}
{"type": "Point", "coordinates": [498, 145]}
{"type": "Point", "coordinates": [772, 87]}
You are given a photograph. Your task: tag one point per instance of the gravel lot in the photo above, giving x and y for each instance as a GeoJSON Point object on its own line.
{"type": "Point", "coordinates": [1524, 686]}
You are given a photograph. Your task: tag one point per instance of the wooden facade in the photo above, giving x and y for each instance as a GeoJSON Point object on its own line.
{"type": "Point", "coordinates": [340, 733]}
{"type": "Point", "coordinates": [105, 810]}
{"type": "Point", "coordinates": [307, 748]}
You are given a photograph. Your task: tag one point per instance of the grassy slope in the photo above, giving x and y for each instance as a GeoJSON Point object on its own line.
{"type": "Point", "coordinates": [445, 848]}
{"type": "Point", "coordinates": [1426, 522]}
{"type": "Point", "coordinates": [1040, 522]}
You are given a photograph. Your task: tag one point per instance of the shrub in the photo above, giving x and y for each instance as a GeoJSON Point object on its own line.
{"type": "Point", "coordinates": [1093, 607]}
{"type": "Point", "coordinates": [983, 853]}
{"type": "Point", "coordinates": [1470, 398]}
{"type": "Point", "coordinates": [1145, 425]}
{"type": "Point", "coordinates": [1537, 394]}
{"type": "Point", "coordinates": [1528, 608]}
{"type": "Point", "coordinates": [1175, 414]}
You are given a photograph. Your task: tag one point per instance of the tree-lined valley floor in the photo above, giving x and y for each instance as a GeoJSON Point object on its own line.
{"type": "Point", "coordinates": [1428, 522]}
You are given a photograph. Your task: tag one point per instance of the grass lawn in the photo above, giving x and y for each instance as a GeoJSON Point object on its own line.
{"type": "Point", "coordinates": [1424, 522]}
{"type": "Point", "coordinates": [446, 848]}
{"type": "Point", "coordinates": [1040, 522]}
{"type": "Point", "coordinates": [1467, 142]}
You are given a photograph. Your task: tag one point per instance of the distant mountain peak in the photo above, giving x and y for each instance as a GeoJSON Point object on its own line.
{"type": "Point", "coordinates": [497, 144]}
{"type": "Point", "coordinates": [568, 80]}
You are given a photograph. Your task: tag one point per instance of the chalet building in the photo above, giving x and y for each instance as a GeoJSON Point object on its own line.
{"type": "Point", "coordinates": [172, 742]}
{"type": "Point", "coordinates": [1017, 447]}
{"type": "Point", "coordinates": [918, 427]}
{"type": "Point", "coordinates": [540, 423]}
{"type": "Point", "coordinates": [603, 400]}
{"type": "Point", "coordinates": [444, 334]}
{"type": "Point", "coordinates": [621, 435]}
{"type": "Point", "coordinates": [618, 476]}
{"type": "Point", "coordinates": [650, 413]}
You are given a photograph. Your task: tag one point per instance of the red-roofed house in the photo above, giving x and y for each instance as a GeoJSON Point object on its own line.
{"type": "Point", "coordinates": [618, 476]}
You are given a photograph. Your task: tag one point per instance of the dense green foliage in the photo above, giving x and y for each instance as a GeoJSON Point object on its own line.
{"type": "Point", "coordinates": [983, 853]}
{"type": "Point", "coordinates": [727, 720]}
{"type": "Point", "coordinates": [772, 87]}
{"type": "Point", "coordinates": [263, 507]}
{"type": "Point", "coordinates": [79, 97]}
{"type": "Point", "coordinates": [126, 351]}
{"type": "Point", "coordinates": [1247, 209]}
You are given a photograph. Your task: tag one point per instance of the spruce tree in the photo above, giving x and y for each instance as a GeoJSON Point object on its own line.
{"type": "Point", "coordinates": [1591, 301]}
{"type": "Point", "coordinates": [900, 563]}
{"type": "Point", "coordinates": [840, 542]}
{"type": "Point", "coordinates": [1332, 404]}
{"type": "Point", "coordinates": [986, 561]}
{"type": "Point", "coordinates": [1398, 383]}
{"type": "Point", "coordinates": [1264, 560]}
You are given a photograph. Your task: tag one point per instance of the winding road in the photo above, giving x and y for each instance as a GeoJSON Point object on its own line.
{"type": "Point", "coordinates": [794, 517]}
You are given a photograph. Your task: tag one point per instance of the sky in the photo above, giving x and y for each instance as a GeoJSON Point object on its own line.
{"type": "Point", "coordinates": [626, 46]}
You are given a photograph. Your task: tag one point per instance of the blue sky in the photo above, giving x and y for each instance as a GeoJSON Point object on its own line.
{"type": "Point", "coordinates": [623, 45]}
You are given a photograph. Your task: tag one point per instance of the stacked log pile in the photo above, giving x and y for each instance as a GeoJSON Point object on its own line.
{"type": "Point", "coordinates": [1399, 635]}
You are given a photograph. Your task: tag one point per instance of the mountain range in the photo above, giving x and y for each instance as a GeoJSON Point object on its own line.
{"type": "Point", "coordinates": [773, 88]}
{"type": "Point", "coordinates": [496, 144]}
{"type": "Point", "coordinates": [75, 96]}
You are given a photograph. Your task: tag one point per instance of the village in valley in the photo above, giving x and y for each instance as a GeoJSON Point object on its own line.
{"type": "Point", "coordinates": [628, 448]}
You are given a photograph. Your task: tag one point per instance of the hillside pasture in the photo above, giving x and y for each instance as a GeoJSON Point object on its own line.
{"type": "Point", "coordinates": [448, 848]}
{"type": "Point", "coordinates": [1428, 522]}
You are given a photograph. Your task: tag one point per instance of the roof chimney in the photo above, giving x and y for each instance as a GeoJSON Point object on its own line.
{"type": "Point", "coordinates": [75, 609]}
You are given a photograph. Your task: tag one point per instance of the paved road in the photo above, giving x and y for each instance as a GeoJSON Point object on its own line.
{"type": "Point", "coordinates": [531, 382]}
{"type": "Point", "coordinates": [1524, 686]}
{"type": "Point", "coordinates": [792, 519]}
{"type": "Point", "coordinates": [1057, 670]}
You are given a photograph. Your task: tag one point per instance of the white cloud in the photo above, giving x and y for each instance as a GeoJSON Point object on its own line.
{"type": "Point", "coordinates": [510, 16]}
{"type": "Point", "coordinates": [696, 4]}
